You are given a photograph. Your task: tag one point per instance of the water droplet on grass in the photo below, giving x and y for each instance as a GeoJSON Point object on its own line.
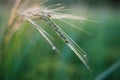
{"type": "Point", "coordinates": [53, 48]}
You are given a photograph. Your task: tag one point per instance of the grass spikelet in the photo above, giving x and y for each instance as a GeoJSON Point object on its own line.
{"type": "Point", "coordinates": [48, 14]}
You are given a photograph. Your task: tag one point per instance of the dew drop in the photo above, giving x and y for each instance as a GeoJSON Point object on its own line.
{"type": "Point", "coordinates": [59, 4]}
{"type": "Point", "coordinates": [54, 48]}
{"type": "Point", "coordinates": [84, 55]}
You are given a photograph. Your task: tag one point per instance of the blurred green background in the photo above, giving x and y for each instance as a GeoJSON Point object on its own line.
{"type": "Point", "coordinates": [28, 56]}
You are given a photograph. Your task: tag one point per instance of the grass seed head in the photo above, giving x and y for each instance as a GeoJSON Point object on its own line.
{"type": "Point", "coordinates": [48, 14]}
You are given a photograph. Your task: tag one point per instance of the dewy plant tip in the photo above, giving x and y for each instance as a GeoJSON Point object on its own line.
{"type": "Point", "coordinates": [31, 14]}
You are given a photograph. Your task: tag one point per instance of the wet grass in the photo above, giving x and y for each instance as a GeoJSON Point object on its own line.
{"type": "Point", "coordinates": [29, 57]}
